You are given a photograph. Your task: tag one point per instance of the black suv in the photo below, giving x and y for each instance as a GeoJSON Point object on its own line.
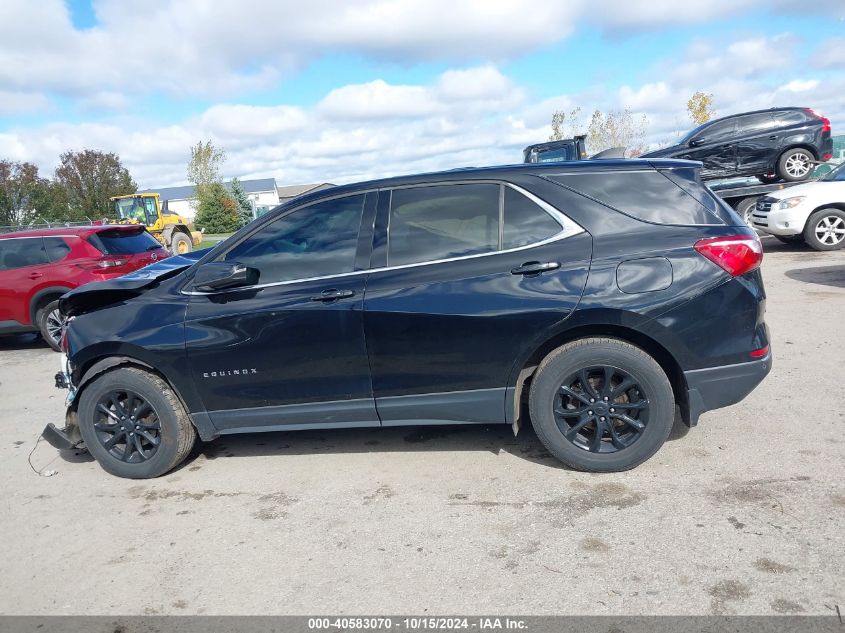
{"type": "Point", "coordinates": [593, 297]}
{"type": "Point", "coordinates": [782, 143]}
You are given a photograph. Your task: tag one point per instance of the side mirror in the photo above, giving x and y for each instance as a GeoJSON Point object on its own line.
{"type": "Point", "coordinates": [222, 275]}
{"type": "Point", "coordinates": [701, 140]}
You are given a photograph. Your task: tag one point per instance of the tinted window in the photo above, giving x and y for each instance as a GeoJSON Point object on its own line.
{"type": "Point", "coordinates": [57, 248]}
{"type": "Point", "coordinates": [645, 195]}
{"type": "Point", "coordinates": [314, 241]}
{"type": "Point", "coordinates": [21, 252]}
{"type": "Point", "coordinates": [755, 123]}
{"type": "Point", "coordinates": [525, 221]}
{"type": "Point", "coordinates": [124, 242]}
{"type": "Point", "coordinates": [838, 174]}
{"type": "Point", "coordinates": [717, 131]}
{"type": "Point", "coordinates": [789, 117]}
{"type": "Point", "coordinates": [429, 223]}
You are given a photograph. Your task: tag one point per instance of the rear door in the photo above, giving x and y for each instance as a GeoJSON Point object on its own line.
{"type": "Point", "coordinates": [23, 266]}
{"type": "Point", "coordinates": [289, 351]}
{"type": "Point", "coordinates": [757, 143]}
{"type": "Point", "coordinates": [465, 276]}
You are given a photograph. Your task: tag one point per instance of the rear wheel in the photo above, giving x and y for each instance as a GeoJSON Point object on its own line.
{"type": "Point", "coordinates": [601, 405]}
{"type": "Point", "coordinates": [133, 424]}
{"type": "Point", "coordinates": [49, 320]}
{"type": "Point", "coordinates": [825, 230]}
{"type": "Point", "coordinates": [795, 164]}
{"type": "Point", "coordinates": [180, 244]}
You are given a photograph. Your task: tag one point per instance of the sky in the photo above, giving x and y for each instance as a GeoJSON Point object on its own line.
{"type": "Point", "coordinates": [346, 90]}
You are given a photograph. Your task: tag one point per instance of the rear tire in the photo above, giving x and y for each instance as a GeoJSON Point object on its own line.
{"type": "Point", "coordinates": [133, 424]}
{"type": "Point", "coordinates": [825, 229]}
{"type": "Point", "coordinates": [795, 164]}
{"type": "Point", "coordinates": [49, 320]}
{"type": "Point", "coordinates": [568, 418]}
{"type": "Point", "coordinates": [180, 244]}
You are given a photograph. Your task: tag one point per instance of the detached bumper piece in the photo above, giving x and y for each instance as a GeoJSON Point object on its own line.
{"type": "Point", "coordinates": [62, 439]}
{"type": "Point", "coordinates": [718, 387]}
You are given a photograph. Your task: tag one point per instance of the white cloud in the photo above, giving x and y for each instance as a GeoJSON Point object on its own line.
{"type": "Point", "coordinates": [17, 103]}
{"type": "Point", "coordinates": [800, 85]}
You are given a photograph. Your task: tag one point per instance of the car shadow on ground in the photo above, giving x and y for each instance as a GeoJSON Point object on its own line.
{"type": "Point", "coordinates": [495, 438]}
{"type": "Point", "coordinates": [822, 275]}
{"type": "Point", "coordinates": [17, 342]}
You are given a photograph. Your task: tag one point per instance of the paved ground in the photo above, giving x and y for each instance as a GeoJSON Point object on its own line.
{"type": "Point", "coordinates": [742, 515]}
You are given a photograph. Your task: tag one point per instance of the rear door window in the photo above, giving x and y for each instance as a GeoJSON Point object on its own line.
{"type": "Point", "coordinates": [22, 252]}
{"type": "Point", "coordinates": [57, 248]}
{"type": "Point", "coordinates": [755, 123]}
{"type": "Point", "coordinates": [650, 196]}
{"type": "Point", "coordinates": [436, 222]}
{"type": "Point", "coordinates": [117, 242]}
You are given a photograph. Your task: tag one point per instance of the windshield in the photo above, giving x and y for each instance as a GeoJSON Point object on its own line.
{"type": "Point", "coordinates": [130, 209]}
{"type": "Point", "coordinates": [837, 174]}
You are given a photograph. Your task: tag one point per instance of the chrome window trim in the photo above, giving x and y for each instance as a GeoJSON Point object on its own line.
{"type": "Point", "coordinates": [568, 228]}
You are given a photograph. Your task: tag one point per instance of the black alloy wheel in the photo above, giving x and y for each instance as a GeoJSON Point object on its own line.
{"type": "Point", "coordinates": [127, 426]}
{"type": "Point", "coordinates": [601, 409]}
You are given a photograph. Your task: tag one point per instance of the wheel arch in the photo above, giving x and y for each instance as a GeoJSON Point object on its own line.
{"type": "Point", "coordinates": [524, 370]}
{"type": "Point", "coordinates": [42, 297]}
{"type": "Point", "coordinates": [97, 366]}
{"type": "Point", "coordinates": [798, 145]}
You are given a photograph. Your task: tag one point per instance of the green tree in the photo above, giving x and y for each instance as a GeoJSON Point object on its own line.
{"type": "Point", "coordinates": [17, 183]}
{"type": "Point", "coordinates": [49, 201]}
{"type": "Point", "coordinates": [245, 212]}
{"type": "Point", "coordinates": [700, 107]}
{"type": "Point", "coordinates": [217, 211]}
{"type": "Point", "coordinates": [90, 178]}
{"type": "Point", "coordinates": [204, 167]}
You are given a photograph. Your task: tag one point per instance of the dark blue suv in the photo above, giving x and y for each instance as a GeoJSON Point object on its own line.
{"type": "Point", "coordinates": [594, 298]}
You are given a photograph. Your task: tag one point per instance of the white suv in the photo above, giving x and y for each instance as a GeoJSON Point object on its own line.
{"type": "Point", "coordinates": [812, 212]}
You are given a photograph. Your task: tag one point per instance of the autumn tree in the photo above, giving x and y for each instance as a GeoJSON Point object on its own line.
{"type": "Point", "coordinates": [616, 128]}
{"type": "Point", "coordinates": [700, 107]}
{"type": "Point", "coordinates": [90, 178]}
{"type": "Point", "coordinates": [566, 124]}
{"type": "Point", "coordinates": [204, 167]}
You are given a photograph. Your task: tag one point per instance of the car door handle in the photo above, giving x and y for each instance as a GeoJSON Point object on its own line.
{"type": "Point", "coordinates": [35, 275]}
{"type": "Point", "coordinates": [773, 137]}
{"type": "Point", "coordinates": [534, 268]}
{"type": "Point", "coordinates": [333, 295]}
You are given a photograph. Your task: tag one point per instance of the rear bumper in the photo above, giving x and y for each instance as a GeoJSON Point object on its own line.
{"type": "Point", "coordinates": [717, 387]}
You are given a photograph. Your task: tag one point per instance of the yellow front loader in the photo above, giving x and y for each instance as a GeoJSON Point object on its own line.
{"type": "Point", "coordinates": [171, 229]}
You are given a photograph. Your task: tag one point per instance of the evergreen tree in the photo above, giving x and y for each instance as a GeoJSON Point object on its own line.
{"type": "Point", "coordinates": [217, 211]}
{"type": "Point", "coordinates": [245, 213]}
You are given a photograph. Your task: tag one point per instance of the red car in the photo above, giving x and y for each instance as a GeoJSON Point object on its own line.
{"type": "Point", "coordinates": [39, 266]}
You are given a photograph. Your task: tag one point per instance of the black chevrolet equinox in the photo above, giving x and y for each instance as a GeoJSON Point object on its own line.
{"type": "Point", "coordinates": [594, 299]}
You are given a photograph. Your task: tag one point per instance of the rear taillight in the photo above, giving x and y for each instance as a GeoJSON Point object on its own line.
{"type": "Point", "coordinates": [825, 121]}
{"type": "Point", "coordinates": [735, 254]}
{"type": "Point", "coordinates": [759, 353]}
{"type": "Point", "coordinates": [108, 263]}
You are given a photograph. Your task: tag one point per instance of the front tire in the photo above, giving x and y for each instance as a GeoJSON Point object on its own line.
{"type": "Point", "coordinates": [745, 208]}
{"type": "Point", "coordinates": [601, 405]}
{"type": "Point", "coordinates": [795, 164]}
{"type": "Point", "coordinates": [181, 244]}
{"type": "Point", "coordinates": [133, 424]}
{"type": "Point", "coordinates": [49, 320]}
{"type": "Point", "coordinates": [825, 230]}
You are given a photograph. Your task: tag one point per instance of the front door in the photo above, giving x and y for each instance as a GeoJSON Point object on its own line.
{"type": "Point", "coordinates": [757, 143]}
{"type": "Point", "coordinates": [715, 147]}
{"type": "Point", "coordinates": [464, 276]}
{"type": "Point", "coordinates": [288, 352]}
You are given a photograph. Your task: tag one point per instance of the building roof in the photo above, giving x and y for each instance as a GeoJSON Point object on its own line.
{"type": "Point", "coordinates": [186, 192]}
{"type": "Point", "coordinates": [292, 191]}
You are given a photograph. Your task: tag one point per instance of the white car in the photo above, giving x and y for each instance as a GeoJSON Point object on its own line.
{"type": "Point", "coordinates": [813, 212]}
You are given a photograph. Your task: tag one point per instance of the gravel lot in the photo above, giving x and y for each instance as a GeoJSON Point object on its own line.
{"type": "Point", "coordinates": [743, 514]}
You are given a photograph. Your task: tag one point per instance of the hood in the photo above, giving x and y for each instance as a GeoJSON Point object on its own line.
{"type": "Point", "coordinates": [803, 189]}
{"type": "Point", "coordinates": [100, 294]}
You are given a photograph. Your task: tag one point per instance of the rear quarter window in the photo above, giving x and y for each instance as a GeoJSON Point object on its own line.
{"type": "Point", "coordinates": [650, 196]}
{"type": "Point", "coordinates": [123, 242]}
{"type": "Point", "coordinates": [57, 248]}
{"type": "Point", "coordinates": [789, 117]}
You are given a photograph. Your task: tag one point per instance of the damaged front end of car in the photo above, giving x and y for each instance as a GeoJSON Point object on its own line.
{"type": "Point", "coordinates": [67, 437]}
